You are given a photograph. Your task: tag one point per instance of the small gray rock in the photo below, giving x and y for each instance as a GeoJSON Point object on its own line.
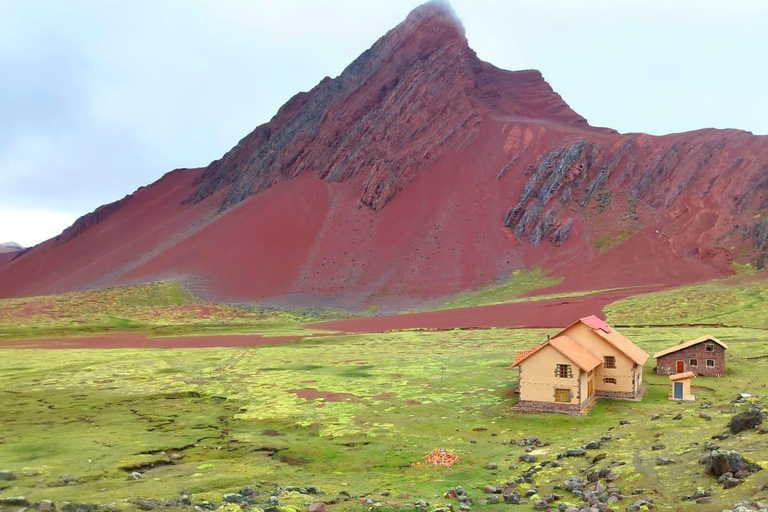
{"type": "Point", "coordinates": [46, 506]}
{"type": "Point", "coordinates": [7, 474]}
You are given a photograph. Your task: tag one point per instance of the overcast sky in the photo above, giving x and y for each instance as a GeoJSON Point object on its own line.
{"type": "Point", "coordinates": [99, 97]}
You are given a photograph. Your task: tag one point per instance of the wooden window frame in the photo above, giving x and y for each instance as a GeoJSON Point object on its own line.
{"type": "Point", "coordinates": [568, 395]}
{"type": "Point", "coordinates": [709, 347]}
{"type": "Point", "coordinates": [609, 380]}
{"type": "Point", "coordinates": [563, 371]}
{"type": "Point", "coordinates": [693, 363]}
{"type": "Point", "coordinates": [714, 363]}
{"type": "Point", "coordinates": [609, 362]}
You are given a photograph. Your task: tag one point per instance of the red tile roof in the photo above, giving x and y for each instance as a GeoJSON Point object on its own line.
{"type": "Point", "coordinates": [613, 337]}
{"type": "Point", "coordinates": [595, 323]}
{"type": "Point", "coordinates": [577, 354]}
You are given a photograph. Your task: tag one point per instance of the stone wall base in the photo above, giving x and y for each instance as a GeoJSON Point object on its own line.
{"type": "Point", "coordinates": [574, 409]}
{"type": "Point", "coordinates": [531, 406]}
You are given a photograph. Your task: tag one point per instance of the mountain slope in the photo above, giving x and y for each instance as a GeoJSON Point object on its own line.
{"type": "Point", "coordinates": [418, 173]}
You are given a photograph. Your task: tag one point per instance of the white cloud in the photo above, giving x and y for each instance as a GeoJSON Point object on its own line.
{"type": "Point", "coordinates": [29, 227]}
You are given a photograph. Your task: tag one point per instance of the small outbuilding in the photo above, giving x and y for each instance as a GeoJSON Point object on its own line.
{"type": "Point", "coordinates": [703, 356]}
{"type": "Point", "coordinates": [681, 386]}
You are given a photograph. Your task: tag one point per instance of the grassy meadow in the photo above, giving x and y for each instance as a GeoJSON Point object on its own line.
{"type": "Point", "coordinates": [160, 308]}
{"type": "Point", "coordinates": [354, 413]}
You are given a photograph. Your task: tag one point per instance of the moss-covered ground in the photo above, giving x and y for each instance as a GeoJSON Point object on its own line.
{"type": "Point", "coordinates": [161, 308]}
{"type": "Point", "coordinates": [737, 301]}
{"type": "Point", "coordinates": [349, 413]}
{"type": "Point", "coordinates": [352, 413]}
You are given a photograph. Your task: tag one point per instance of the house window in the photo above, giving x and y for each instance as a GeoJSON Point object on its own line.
{"type": "Point", "coordinates": [710, 347]}
{"type": "Point", "coordinates": [693, 362]}
{"type": "Point", "coordinates": [609, 362]}
{"type": "Point", "coordinates": [563, 371]}
{"type": "Point", "coordinates": [562, 395]}
{"type": "Point", "coordinates": [710, 363]}
{"type": "Point", "coordinates": [609, 380]}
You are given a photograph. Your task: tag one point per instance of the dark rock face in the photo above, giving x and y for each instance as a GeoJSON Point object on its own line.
{"type": "Point", "coordinates": [397, 107]}
{"type": "Point", "coordinates": [746, 420]}
{"type": "Point", "coordinates": [720, 462]}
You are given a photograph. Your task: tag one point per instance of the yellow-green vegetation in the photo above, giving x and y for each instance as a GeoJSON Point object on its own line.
{"type": "Point", "coordinates": [735, 302]}
{"type": "Point", "coordinates": [348, 413]}
{"type": "Point", "coordinates": [510, 290]}
{"type": "Point", "coordinates": [157, 308]}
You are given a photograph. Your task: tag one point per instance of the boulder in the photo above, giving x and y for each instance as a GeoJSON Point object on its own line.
{"type": "Point", "coordinates": [46, 506]}
{"type": "Point", "coordinates": [527, 457]}
{"type": "Point", "coordinates": [511, 497]}
{"type": "Point", "coordinates": [234, 497]}
{"type": "Point", "coordinates": [491, 465]}
{"type": "Point", "coordinates": [746, 420]}
{"type": "Point", "coordinates": [575, 452]}
{"type": "Point", "coordinates": [317, 507]}
{"type": "Point", "coordinates": [724, 461]}
{"type": "Point", "coordinates": [14, 501]}
{"type": "Point", "coordinates": [662, 461]}
{"type": "Point", "coordinates": [658, 446]}
{"type": "Point", "coordinates": [7, 474]}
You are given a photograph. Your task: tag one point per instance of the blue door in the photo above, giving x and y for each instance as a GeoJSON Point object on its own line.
{"type": "Point", "coordinates": [678, 393]}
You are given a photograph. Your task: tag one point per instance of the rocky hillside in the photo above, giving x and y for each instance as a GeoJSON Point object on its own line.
{"type": "Point", "coordinates": [421, 172]}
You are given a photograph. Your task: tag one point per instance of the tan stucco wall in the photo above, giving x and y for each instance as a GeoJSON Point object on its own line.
{"type": "Point", "coordinates": [686, 389]}
{"type": "Point", "coordinates": [623, 373]}
{"type": "Point", "coordinates": [537, 377]}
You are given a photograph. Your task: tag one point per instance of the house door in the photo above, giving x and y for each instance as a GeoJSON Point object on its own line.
{"type": "Point", "coordinates": [680, 368]}
{"type": "Point", "coordinates": [590, 388]}
{"type": "Point", "coordinates": [678, 391]}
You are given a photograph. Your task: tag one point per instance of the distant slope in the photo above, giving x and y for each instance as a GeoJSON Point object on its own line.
{"type": "Point", "coordinates": [419, 173]}
{"type": "Point", "coordinates": [8, 251]}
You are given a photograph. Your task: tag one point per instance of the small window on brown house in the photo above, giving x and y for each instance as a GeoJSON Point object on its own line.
{"type": "Point", "coordinates": [693, 362]}
{"type": "Point", "coordinates": [609, 380]}
{"type": "Point", "coordinates": [562, 395]}
{"type": "Point", "coordinates": [609, 362]}
{"type": "Point", "coordinates": [710, 347]}
{"type": "Point", "coordinates": [711, 363]}
{"type": "Point", "coordinates": [563, 371]}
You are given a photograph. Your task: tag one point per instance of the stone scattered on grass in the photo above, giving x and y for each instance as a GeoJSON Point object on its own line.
{"type": "Point", "coordinates": [746, 420]}
{"type": "Point", "coordinates": [658, 446]}
{"type": "Point", "coordinates": [14, 501]}
{"type": "Point", "coordinates": [7, 474]}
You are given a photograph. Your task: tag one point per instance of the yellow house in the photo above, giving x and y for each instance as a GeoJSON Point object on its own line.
{"type": "Point", "coordinates": [570, 371]}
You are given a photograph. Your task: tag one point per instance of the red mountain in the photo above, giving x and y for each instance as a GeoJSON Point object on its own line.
{"type": "Point", "coordinates": [420, 172]}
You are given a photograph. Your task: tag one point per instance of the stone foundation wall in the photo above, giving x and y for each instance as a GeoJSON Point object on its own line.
{"type": "Point", "coordinates": [614, 394]}
{"type": "Point", "coordinates": [667, 364]}
{"type": "Point", "coordinates": [530, 406]}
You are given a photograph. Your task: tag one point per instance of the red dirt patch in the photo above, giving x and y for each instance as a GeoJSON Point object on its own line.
{"type": "Point", "coordinates": [543, 313]}
{"type": "Point", "coordinates": [326, 396]}
{"type": "Point", "coordinates": [136, 340]}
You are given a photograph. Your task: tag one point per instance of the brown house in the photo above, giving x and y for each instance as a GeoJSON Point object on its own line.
{"type": "Point", "coordinates": [702, 356]}
{"type": "Point", "coordinates": [569, 372]}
